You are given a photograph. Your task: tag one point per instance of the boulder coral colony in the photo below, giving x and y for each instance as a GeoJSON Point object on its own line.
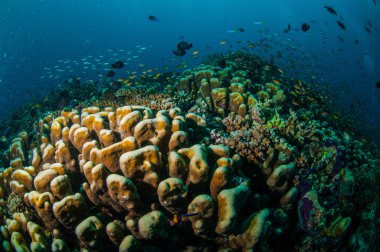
{"type": "Point", "coordinates": [225, 159]}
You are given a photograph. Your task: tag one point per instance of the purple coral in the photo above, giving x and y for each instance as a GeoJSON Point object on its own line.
{"type": "Point", "coordinates": [310, 213]}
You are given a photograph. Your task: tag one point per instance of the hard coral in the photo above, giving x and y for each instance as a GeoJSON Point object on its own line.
{"type": "Point", "coordinates": [220, 159]}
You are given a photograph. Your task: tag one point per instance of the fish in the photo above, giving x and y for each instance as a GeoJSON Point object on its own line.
{"type": "Point", "coordinates": [153, 18]}
{"type": "Point", "coordinates": [3, 139]}
{"type": "Point", "coordinates": [305, 27]}
{"type": "Point", "coordinates": [331, 10]}
{"type": "Point", "coordinates": [335, 116]}
{"type": "Point", "coordinates": [189, 214]}
{"type": "Point", "coordinates": [374, 1]}
{"type": "Point", "coordinates": [258, 22]}
{"type": "Point", "coordinates": [241, 29]}
{"type": "Point", "coordinates": [277, 82]}
{"type": "Point", "coordinates": [356, 41]}
{"type": "Point", "coordinates": [378, 84]}
{"type": "Point", "coordinates": [181, 48]}
{"type": "Point", "coordinates": [251, 45]}
{"type": "Point", "coordinates": [288, 29]}
{"type": "Point", "coordinates": [341, 25]}
{"type": "Point", "coordinates": [223, 42]}
{"type": "Point", "coordinates": [367, 29]}
{"type": "Point", "coordinates": [341, 39]}
{"type": "Point", "coordinates": [4, 133]}
{"type": "Point", "coordinates": [196, 52]}
{"type": "Point", "coordinates": [110, 74]}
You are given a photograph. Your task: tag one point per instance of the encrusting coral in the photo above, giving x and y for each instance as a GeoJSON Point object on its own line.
{"type": "Point", "coordinates": [237, 167]}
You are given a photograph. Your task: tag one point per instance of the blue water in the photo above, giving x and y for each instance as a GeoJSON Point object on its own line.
{"type": "Point", "coordinates": [38, 38]}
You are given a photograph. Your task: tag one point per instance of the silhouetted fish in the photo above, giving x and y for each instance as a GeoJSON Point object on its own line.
{"type": "Point", "coordinates": [241, 29]}
{"type": "Point", "coordinates": [374, 1]}
{"type": "Point", "coordinates": [331, 10]}
{"type": "Point", "coordinates": [288, 29]}
{"type": "Point", "coordinates": [341, 25]}
{"type": "Point", "coordinates": [110, 74]}
{"type": "Point", "coordinates": [367, 29]}
{"type": "Point", "coordinates": [305, 27]}
{"type": "Point", "coordinates": [341, 39]}
{"type": "Point", "coordinates": [378, 84]}
{"type": "Point", "coordinates": [118, 64]}
{"type": "Point", "coordinates": [153, 18]}
{"type": "Point", "coordinates": [181, 48]}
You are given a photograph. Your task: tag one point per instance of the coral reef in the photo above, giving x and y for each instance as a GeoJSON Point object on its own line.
{"type": "Point", "coordinates": [225, 159]}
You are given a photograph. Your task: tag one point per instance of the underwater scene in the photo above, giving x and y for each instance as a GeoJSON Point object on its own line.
{"type": "Point", "coordinates": [189, 125]}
